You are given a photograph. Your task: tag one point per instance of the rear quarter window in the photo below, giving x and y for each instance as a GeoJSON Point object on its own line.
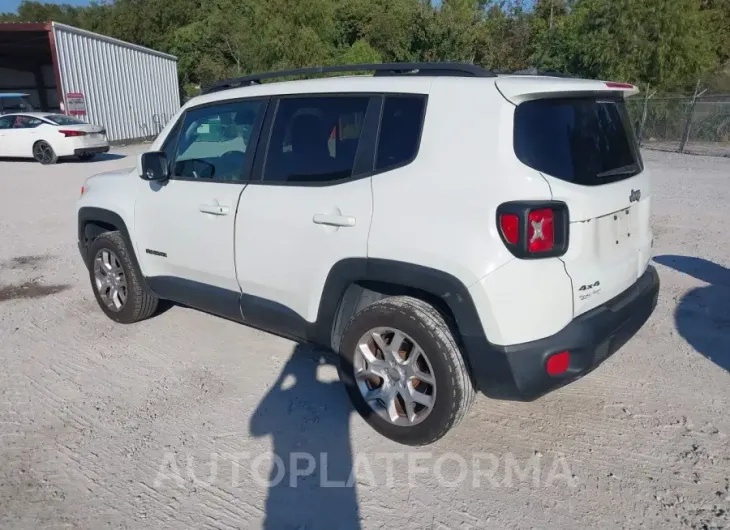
{"type": "Point", "coordinates": [587, 141]}
{"type": "Point", "coordinates": [400, 130]}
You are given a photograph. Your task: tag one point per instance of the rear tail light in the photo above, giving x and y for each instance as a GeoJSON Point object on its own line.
{"type": "Point", "coordinates": [68, 133]}
{"type": "Point", "coordinates": [510, 224]}
{"type": "Point", "coordinates": [541, 230]}
{"type": "Point", "coordinates": [534, 229]}
{"type": "Point", "coordinates": [558, 363]}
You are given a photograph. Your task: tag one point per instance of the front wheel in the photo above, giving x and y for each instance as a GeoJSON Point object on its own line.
{"type": "Point", "coordinates": [44, 153]}
{"type": "Point", "coordinates": [404, 371]}
{"type": "Point", "coordinates": [118, 286]}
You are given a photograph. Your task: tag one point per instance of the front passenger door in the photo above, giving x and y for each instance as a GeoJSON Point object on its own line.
{"type": "Point", "coordinates": [185, 226]}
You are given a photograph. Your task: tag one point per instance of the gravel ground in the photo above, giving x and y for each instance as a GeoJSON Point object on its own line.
{"type": "Point", "coordinates": [187, 420]}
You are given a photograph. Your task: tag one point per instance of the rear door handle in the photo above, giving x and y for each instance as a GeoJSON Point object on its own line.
{"type": "Point", "coordinates": [333, 220]}
{"type": "Point", "coordinates": [214, 209]}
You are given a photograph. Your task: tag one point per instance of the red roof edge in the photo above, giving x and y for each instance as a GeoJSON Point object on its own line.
{"type": "Point", "coordinates": [25, 26]}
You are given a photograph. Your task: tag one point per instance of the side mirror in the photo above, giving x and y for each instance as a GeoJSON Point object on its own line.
{"type": "Point", "coordinates": [153, 166]}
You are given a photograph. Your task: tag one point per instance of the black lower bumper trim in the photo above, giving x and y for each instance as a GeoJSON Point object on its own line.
{"type": "Point", "coordinates": [518, 372]}
{"type": "Point", "coordinates": [91, 150]}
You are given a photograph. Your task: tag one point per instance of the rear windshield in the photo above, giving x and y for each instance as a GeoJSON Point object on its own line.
{"type": "Point", "coordinates": [588, 141]}
{"type": "Point", "coordinates": [60, 119]}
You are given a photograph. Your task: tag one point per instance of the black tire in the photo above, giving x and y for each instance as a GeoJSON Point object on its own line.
{"type": "Point", "coordinates": [85, 157]}
{"type": "Point", "coordinates": [421, 321]}
{"type": "Point", "coordinates": [141, 303]}
{"type": "Point", "coordinates": [44, 153]}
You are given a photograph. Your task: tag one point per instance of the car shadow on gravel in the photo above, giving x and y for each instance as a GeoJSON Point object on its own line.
{"type": "Point", "coordinates": [101, 157]}
{"type": "Point", "coordinates": [702, 316]}
{"type": "Point", "coordinates": [309, 485]}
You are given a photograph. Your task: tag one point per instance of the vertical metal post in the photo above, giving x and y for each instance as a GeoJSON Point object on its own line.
{"type": "Point", "coordinates": [688, 121]}
{"type": "Point", "coordinates": [640, 132]}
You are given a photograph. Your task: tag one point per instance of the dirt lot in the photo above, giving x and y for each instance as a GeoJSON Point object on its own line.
{"type": "Point", "coordinates": [187, 420]}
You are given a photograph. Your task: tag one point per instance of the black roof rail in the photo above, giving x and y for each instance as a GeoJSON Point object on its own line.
{"type": "Point", "coordinates": [380, 69]}
{"type": "Point", "coordinates": [535, 71]}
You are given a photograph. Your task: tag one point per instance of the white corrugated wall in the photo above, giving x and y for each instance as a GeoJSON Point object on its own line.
{"type": "Point", "coordinates": [130, 90]}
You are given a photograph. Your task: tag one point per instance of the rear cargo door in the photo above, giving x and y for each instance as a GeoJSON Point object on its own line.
{"type": "Point", "coordinates": [584, 146]}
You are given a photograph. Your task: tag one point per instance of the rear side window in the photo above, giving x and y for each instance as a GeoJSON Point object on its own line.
{"type": "Point", "coordinates": [587, 141]}
{"type": "Point", "coordinates": [400, 131]}
{"type": "Point", "coordinates": [315, 139]}
{"type": "Point", "coordinates": [60, 119]}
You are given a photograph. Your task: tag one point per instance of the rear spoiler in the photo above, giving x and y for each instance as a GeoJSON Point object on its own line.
{"type": "Point", "coordinates": [519, 88]}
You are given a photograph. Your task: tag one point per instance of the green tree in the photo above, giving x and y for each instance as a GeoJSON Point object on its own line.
{"type": "Point", "coordinates": [667, 44]}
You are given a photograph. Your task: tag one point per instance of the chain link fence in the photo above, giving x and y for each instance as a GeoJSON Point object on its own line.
{"type": "Point", "coordinates": [698, 124]}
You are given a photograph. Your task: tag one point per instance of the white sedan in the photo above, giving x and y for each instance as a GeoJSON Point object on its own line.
{"type": "Point", "coordinates": [47, 137]}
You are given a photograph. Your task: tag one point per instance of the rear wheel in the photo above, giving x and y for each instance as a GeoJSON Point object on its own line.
{"type": "Point", "coordinates": [44, 153]}
{"type": "Point", "coordinates": [118, 286]}
{"type": "Point", "coordinates": [404, 372]}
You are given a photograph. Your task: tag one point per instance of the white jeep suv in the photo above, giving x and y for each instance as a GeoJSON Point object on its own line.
{"type": "Point", "coordinates": [444, 229]}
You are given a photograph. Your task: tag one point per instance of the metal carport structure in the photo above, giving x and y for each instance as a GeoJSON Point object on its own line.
{"type": "Point", "coordinates": [129, 89]}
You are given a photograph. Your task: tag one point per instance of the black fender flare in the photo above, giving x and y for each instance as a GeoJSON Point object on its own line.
{"type": "Point", "coordinates": [447, 288]}
{"type": "Point", "coordinates": [90, 214]}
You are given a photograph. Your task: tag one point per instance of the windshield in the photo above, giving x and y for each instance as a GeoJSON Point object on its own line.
{"type": "Point", "coordinates": [60, 119]}
{"type": "Point", "coordinates": [587, 141]}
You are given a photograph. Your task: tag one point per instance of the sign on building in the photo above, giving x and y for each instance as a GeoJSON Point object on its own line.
{"type": "Point", "coordinates": [76, 104]}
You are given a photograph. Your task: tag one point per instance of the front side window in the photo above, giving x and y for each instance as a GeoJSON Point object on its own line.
{"type": "Point", "coordinates": [213, 141]}
{"type": "Point", "coordinates": [400, 131]}
{"type": "Point", "coordinates": [315, 139]}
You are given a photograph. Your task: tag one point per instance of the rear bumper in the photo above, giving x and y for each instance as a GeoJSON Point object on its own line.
{"type": "Point", "coordinates": [518, 372]}
{"type": "Point", "coordinates": [91, 150]}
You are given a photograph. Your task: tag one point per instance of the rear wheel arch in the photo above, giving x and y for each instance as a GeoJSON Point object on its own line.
{"type": "Point", "coordinates": [354, 284]}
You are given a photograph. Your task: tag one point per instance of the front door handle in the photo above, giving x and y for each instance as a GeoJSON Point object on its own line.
{"type": "Point", "coordinates": [333, 220]}
{"type": "Point", "coordinates": [214, 209]}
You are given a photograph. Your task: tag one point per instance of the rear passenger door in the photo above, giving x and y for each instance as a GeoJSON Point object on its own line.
{"type": "Point", "coordinates": [310, 207]}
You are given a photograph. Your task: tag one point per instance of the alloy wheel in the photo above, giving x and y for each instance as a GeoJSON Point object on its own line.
{"type": "Point", "coordinates": [43, 152]}
{"type": "Point", "coordinates": [111, 282]}
{"type": "Point", "coordinates": [394, 376]}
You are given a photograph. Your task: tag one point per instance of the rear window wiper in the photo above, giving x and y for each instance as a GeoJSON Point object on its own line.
{"type": "Point", "coordinates": [622, 170]}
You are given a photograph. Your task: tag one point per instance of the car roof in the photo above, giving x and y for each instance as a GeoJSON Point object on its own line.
{"type": "Point", "coordinates": [31, 114]}
{"type": "Point", "coordinates": [340, 84]}
{"type": "Point", "coordinates": [515, 84]}
{"type": "Point", "coordinates": [13, 95]}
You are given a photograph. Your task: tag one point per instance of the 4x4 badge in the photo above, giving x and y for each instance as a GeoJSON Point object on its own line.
{"type": "Point", "coordinates": [635, 196]}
